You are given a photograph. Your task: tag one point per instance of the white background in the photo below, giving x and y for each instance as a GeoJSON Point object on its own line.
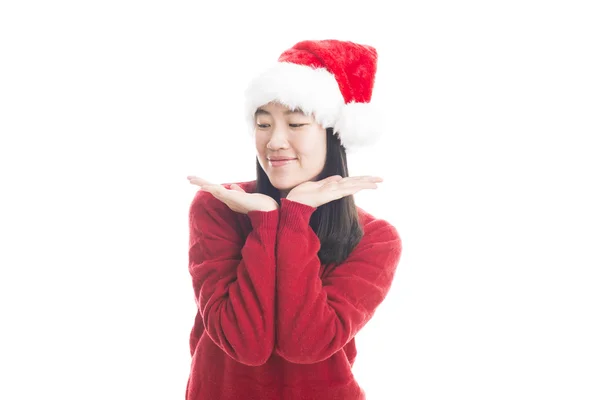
{"type": "Point", "coordinates": [490, 160]}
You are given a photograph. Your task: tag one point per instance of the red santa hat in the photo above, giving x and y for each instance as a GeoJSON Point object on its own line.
{"type": "Point", "coordinates": [330, 79]}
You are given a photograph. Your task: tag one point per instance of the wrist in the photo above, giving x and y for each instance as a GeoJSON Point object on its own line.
{"type": "Point", "coordinates": [268, 209]}
{"type": "Point", "coordinates": [298, 201]}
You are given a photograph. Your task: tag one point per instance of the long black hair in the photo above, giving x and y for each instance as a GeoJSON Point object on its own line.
{"type": "Point", "coordinates": [336, 222]}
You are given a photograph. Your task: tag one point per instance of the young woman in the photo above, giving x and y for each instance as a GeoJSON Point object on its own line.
{"type": "Point", "coordinates": [286, 269]}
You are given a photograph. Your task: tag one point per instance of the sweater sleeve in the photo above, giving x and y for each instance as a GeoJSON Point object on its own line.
{"type": "Point", "coordinates": [318, 317]}
{"type": "Point", "coordinates": [234, 278]}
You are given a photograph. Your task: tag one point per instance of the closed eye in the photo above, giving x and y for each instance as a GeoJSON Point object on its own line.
{"type": "Point", "coordinates": [292, 125]}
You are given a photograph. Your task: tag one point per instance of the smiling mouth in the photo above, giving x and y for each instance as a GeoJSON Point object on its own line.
{"type": "Point", "coordinates": [278, 163]}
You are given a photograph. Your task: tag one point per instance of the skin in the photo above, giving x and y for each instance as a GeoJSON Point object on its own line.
{"type": "Point", "coordinates": [289, 133]}
{"type": "Point", "coordinates": [284, 132]}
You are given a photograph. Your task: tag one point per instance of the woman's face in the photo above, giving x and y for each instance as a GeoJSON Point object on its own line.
{"type": "Point", "coordinates": [281, 132]}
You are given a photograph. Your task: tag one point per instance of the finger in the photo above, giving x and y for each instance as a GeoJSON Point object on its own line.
{"type": "Point", "coordinates": [196, 180]}
{"type": "Point", "coordinates": [333, 178]}
{"type": "Point", "coordinates": [365, 178]}
{"type": "Point", "coordinates": [216, 190]}
{"type": "Point", "coordinates": [361, 183]}
{"type": "Point", "coordinates": [231, 197]}
{"type": "Point", "coordinates": [353, 189]}
{"type": "Point", "coordinates": [215, 194]}
{"type": "Point", "coordinates": [237, 188]}
{"type": "Point", "coordinates": [347, 187]}
{"type": "Point", "coordinates": [348, 179]}
{"type": "Point", "coordinates": [224, 194]}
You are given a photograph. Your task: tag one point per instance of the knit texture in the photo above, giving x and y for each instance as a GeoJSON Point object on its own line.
{"type": "Point", "coordinates": [273, 323]}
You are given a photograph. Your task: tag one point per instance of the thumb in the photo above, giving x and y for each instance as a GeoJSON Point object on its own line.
{"type": "Point", "coordinates": [333, 178]}
{"type": "Point", "coordinates": [236, 188]}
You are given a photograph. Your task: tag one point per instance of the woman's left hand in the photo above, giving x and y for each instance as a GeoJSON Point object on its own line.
{"type": "Point", "coordinates": [331, 188]}
{"type": "Point", "coordinates": [236, 198]}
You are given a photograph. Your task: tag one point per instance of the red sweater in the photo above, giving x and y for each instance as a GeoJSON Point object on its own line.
{"type": "Point", "coordinates": [272, 322]}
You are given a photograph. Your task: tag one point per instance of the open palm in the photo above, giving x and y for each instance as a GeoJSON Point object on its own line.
{"type": "Point", "coordinates": [331, 188]}
{"type": "Point", "coordinates": [236, 198]}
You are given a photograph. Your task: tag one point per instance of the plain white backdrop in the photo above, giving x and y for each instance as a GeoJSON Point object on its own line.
{"type": "Point", "coordinates": [490, 161]}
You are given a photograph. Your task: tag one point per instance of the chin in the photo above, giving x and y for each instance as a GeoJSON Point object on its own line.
{"type": "Point", "coordinates": [281, 183]}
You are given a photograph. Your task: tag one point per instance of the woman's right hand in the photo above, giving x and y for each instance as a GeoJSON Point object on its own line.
{"type": "Point", "coordinates": [236, 198]}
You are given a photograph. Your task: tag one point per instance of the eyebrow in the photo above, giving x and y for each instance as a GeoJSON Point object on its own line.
{"type": "Point", "coordinates": [288, 112]}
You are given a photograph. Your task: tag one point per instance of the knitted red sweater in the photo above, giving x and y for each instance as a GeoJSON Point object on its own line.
{"type": "Point", "coordinates": [272, 322]}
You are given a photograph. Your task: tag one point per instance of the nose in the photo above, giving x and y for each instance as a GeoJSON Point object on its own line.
{"type": "Point", "coordinates": [278, 139]}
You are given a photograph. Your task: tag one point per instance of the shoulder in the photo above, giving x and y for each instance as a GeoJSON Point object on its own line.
{"type": "Point", "coordinates": [377, 229]}
{"type": "Point", "coordinates": [381, 244]}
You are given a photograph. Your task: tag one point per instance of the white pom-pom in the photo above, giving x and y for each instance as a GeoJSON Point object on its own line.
{"type": "Point", "coordinates": [359, 125]}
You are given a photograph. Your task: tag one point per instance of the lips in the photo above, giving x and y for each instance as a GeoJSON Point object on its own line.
{"type": "Point", "coordinates": [280, 163]}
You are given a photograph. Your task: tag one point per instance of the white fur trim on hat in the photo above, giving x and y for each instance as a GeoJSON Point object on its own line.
{"type": "Point", "coordinates": [314, 90]}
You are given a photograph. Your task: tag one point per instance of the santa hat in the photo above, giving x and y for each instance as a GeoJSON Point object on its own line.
{"type": "Point", "coordinates": [331, 79]}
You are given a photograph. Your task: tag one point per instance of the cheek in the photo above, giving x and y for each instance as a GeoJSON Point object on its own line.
{"type": "Point", "coordinates": [260, 144]}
